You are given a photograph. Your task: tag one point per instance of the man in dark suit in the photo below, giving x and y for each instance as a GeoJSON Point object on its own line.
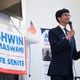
{"type": "Point", "coordinates": [63, 48]}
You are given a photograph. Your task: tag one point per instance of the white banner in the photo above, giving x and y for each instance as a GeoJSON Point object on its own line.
{"type": "Point", "coordinates": [46, 52]}
{"type": "Point", "coordinates": [12, 53]}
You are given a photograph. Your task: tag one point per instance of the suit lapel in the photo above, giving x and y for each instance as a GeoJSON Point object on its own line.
{"type": "Point", "coordinates": [60, 32]}
{"type": "Point", "coordinates": [61, 35]}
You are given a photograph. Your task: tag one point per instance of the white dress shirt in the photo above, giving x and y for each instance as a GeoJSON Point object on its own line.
{"type": "Point", "coordinates": [62, 27]}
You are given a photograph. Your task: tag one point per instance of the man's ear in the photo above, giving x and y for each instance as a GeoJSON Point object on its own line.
{"type": "Point", "coordinates": [59, 18]}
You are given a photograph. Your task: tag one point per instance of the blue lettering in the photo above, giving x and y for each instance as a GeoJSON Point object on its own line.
{"type": "Point", "coordinates": [11, 39]}
{"type": "Point", "coordinates": [19, 40]}
{"type": "Point", "coordinates": [0, 45]}
{"type": "Point", "coordinates": [4, 47]}
{"type": "Point", "coordinates": [12, 49]}
{"type": "Point", "coordinates": [18, 49]}
{"type": "Point", "coordinates": [4, 36]}
{"type": "Point", "coordinates": [2, 60]}
{"type": "Point", "coordinates": [7, 47]}
{"type": "Point", "coordinates": [46, 35]}
{"type": "Point", "coordinates": [15, 62]}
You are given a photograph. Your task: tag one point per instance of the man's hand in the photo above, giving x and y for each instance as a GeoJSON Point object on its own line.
{"type": "Point", "coordinates": [70, 34]}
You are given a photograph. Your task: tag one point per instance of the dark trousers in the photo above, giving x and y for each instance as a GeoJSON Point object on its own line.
{"type": "Point", "coordinates": [61, 78]}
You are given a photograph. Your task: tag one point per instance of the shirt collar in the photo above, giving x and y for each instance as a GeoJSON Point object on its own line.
{"type": "Point", "coordinates": [61, 26]}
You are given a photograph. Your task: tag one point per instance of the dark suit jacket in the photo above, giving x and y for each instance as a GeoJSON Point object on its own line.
{"type": "Point", "coordinates": [62, 53]}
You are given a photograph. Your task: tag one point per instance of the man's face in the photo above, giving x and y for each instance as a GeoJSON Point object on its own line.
{"type": "Point", "coordinates": [65, 18]}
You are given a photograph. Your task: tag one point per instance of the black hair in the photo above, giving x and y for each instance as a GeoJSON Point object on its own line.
{"type": "Point", "coordinates": [60, 12]}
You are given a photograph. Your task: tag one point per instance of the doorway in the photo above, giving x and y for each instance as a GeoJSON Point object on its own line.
{"type": "Point", "coordinates": [4, 76]}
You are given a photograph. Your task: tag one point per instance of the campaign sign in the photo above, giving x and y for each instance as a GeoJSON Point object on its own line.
{"type": "Point", "coordinates": [12, 53]}
{"type": "Point", "coordinates": [45, 32]}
